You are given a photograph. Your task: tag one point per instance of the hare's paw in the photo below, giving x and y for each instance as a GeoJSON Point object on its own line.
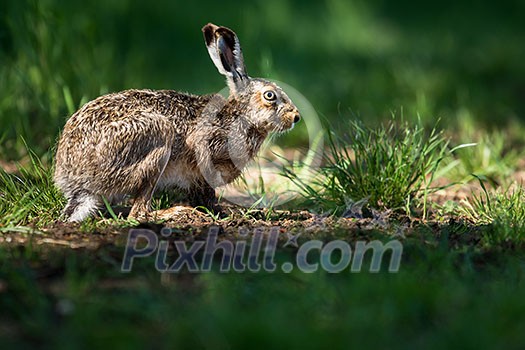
{"type": "Point", "coordinates": [141, 216]}
{"type": "Point", "coordinates": [174, 213]}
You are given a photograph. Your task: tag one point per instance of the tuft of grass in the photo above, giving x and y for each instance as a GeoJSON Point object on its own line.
{"type": "Point", "coordinates": [494, 154]}
{"type": "Point", "coordinates": [29, 197]}
{"type": "Point", "coordinates": [502, 212]}
{"type": "Point", "coordinates": [389, 167]}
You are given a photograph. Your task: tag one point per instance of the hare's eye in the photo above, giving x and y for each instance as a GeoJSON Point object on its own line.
{"type": "Point", "coordinates": [270, 95]}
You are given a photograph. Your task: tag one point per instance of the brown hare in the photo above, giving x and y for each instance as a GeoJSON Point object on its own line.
{"type": "Point", "coordinates": [135, 142]}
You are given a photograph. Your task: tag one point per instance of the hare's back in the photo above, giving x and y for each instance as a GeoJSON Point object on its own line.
{"type": "Point", "coordinates": [116, 115]}
{"type": "Point", "coordinates": [120, 105]}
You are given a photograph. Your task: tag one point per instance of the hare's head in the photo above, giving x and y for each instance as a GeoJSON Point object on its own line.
{"type": "Point", "coordinates": [264, 102]}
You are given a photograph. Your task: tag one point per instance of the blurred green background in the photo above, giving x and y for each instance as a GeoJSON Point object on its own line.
{"type": "Point", "coordinates": [440, 59]}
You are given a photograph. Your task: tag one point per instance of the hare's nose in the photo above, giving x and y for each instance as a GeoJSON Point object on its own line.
{"type": "Point", "coordinates": [296, 118]}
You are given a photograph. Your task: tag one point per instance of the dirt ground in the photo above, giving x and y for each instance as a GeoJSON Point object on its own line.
{"type": "Point", "coordinates": [189, 224]}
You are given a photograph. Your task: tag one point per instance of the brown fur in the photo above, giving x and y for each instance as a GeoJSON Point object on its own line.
{"type": "Point", "coordinates": [137, 141]}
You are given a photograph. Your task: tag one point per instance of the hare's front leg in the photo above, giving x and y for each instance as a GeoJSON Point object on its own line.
{"type": "Point", "coordinates": [203, 195]}
{"type": "Point", "coordinates": [147, 174]}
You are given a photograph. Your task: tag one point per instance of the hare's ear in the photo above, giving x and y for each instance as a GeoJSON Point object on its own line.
{"type": "Point", "coordinates": [225, 52]}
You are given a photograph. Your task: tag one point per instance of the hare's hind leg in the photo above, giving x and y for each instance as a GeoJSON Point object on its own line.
{"type": "Point", "coordinates": [148, 174]}
{"type": "Point", "coordinates": [80, 206]}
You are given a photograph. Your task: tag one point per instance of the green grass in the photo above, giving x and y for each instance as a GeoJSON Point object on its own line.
{"type": "Point", "coordinates": [388, 167]}
{"type": "Point", "coordinates": [29, 197]}
{"type": "Point", "coordinates": [493, 155]}
{"type": "Point", "coordinates": [441, 298]}
{"type": "Point", "coordinates": [370, 58]}
{"type": "Point", "coordinates": [502, 214]}
{"type": "Point", "coordinates": [461, 278]}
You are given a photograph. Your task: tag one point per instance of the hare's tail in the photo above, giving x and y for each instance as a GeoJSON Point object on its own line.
{"type": "Point", "coordinates": [81, 206]}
